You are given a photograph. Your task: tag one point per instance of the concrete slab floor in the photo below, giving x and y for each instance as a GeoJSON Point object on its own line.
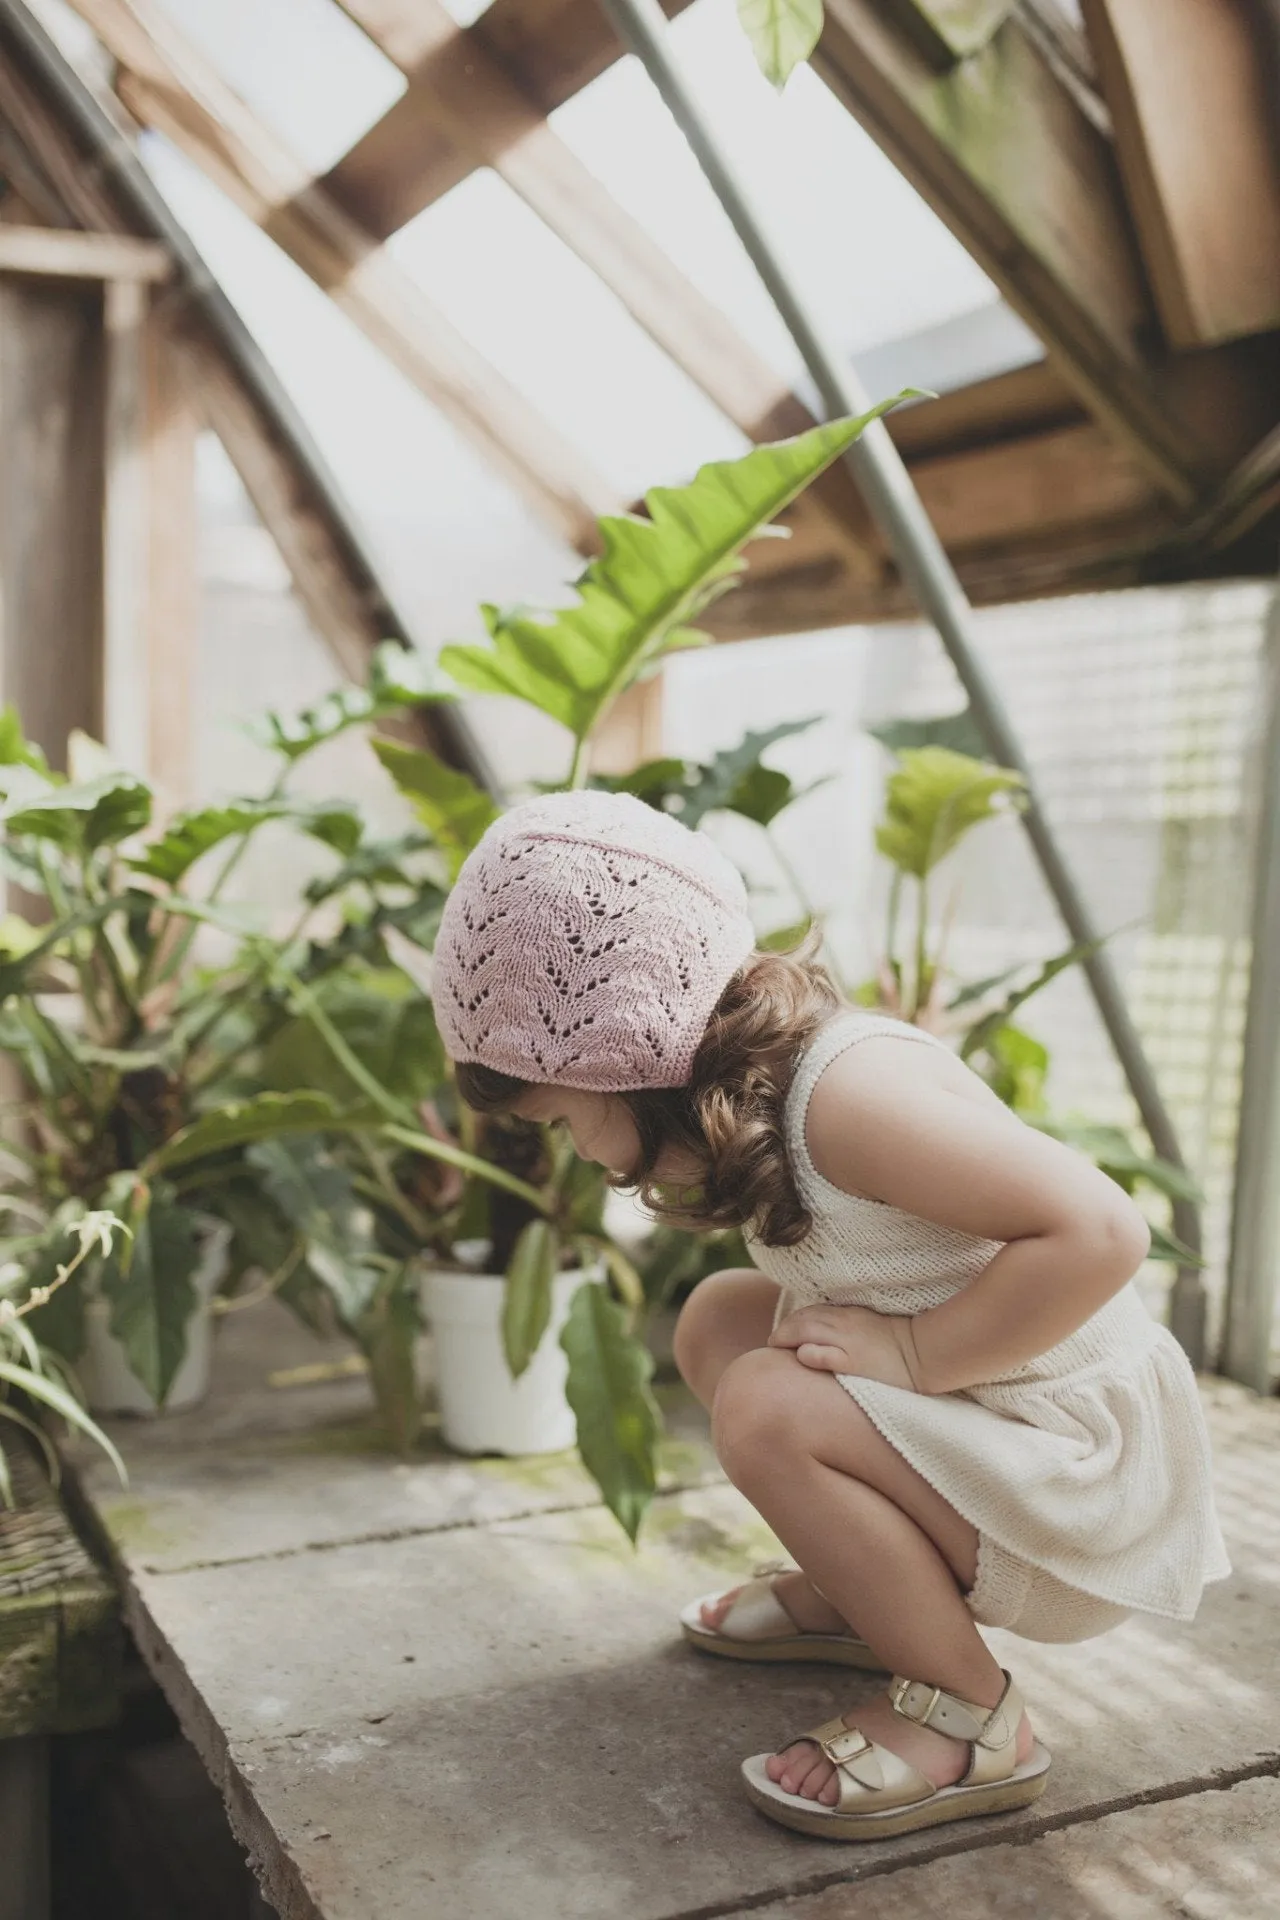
{"type": "Point", "coordinates": [459, 1692]}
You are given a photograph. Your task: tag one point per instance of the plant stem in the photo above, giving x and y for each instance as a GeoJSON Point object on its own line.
{"type": "Point", "coordinates": [455, 1157]}
{"type": "Point", "coordinates": [921, 984]}
{"type": "Point", "coordinates": [578, 765]}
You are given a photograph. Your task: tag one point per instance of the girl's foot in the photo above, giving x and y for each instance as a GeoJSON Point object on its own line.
{"type": "Point", "coordinates": [797, 1598]}
{"type": "Point", "coordinates": [801, 1769]}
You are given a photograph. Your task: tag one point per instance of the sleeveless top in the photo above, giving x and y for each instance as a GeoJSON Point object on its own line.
{"type": "Point", "coordinates": [1090, 1461]}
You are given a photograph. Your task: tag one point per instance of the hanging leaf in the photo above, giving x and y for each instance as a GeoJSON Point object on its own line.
{"type": "Point", "coordinates": [453, 808]}
{"type": "Point", "coordinates": [148, 1280]}
{"type": "Point", "coordinates": [375, 863]}
{"type": "Point", "coordinates": [957, 731]}
{"type": "Point", "coordinates": [652, 579]}
{"type": "Point", "coordinates": [1111, 1149]}
{"type": "Point", "coordinates": [526, 1302]}
{"type": "Point", "coordinates": [736, 780]}
{"type": "Point", "coordinates": [191, 835]}
{"type": "Point", "coordinates": [265, 1117]}
{"type": "Point", "coordinates": [783, 33]}
{"type": "Point", "coordinates": [932, 799]}
{"type": "Point", "coordinates": [608, 1389]}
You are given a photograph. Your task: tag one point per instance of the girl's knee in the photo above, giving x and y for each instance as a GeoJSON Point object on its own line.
{"type": "Point", "coordinates": [758, 1414]}
{"type": "Point", "coordinates": [706, 1326]}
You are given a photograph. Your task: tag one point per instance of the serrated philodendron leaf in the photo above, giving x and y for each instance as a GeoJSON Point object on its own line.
{"type": "Point", "coordinates": [653, 578]}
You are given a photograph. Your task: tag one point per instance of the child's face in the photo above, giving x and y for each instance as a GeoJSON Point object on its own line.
{"type": "Point", "coordinates": [599, 1124]}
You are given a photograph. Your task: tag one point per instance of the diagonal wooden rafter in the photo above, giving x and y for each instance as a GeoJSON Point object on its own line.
{"type": "Point", "coordinates": [463, 92]}
{"type": "Point", "coordinates": [168, 85]}
{"type": "Point", "coordinates": [1000, 146]}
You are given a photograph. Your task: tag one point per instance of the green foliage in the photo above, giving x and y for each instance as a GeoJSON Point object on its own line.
{"type": "Point", "coordinates": [959, 732]}
{"type": "Point", "coordinates": [526, 1304]}
{"type": "Point", "coordinates": [398, 680]}
{"type": "Point", "coordinates": [264, 1117]}
{"type": "Point", "coordinates": [654, 578]}
{"type": "Point", "coordinates": [783, 33]}
{"type": "Point", "coordinates": [148, 1280]}
{"type": "Point", "coordinates": [450, 805]}
{"type": "Point", "coordinates": [382, 1019]}
{"type": "Point", "coordinates": [608, 1389]}
{"type": "Point", "coordinates": [932, 799]}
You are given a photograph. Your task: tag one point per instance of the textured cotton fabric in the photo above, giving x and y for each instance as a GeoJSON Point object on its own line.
{"type": "Point", "coordinates": [1086, 1471]}
{"type": "Point", "coordinates": [586, 943]}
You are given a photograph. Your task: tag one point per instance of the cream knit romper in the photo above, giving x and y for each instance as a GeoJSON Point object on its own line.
{"type": "Point", "coordinates": [1086, 1471]}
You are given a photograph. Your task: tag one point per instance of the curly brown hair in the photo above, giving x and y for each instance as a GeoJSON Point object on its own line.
{"type": "Point", "coordinates": [729, 1121]}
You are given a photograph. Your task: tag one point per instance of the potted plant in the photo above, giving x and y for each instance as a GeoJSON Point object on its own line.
{"type": "Point", "coordinates": [138, 1058]}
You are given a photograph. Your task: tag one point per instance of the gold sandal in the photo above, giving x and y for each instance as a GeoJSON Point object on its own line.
{"type": "Point", "coordinates": [882, 1795]}
{"type": "Point", "coordinates": [758, 1627]}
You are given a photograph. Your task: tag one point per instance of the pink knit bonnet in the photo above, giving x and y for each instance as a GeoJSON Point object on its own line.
{"type": "Point", "coordinates": [586, 943]}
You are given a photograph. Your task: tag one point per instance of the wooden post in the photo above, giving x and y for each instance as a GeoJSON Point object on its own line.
{"type": "Point", "coordinates": [172, 579]}
{"type": "Point", "coordinates": [50, 508]}
{"type": "Point", "coordinates": [631, 732]}
{"type": "Point", "coordinates": [124, 529]}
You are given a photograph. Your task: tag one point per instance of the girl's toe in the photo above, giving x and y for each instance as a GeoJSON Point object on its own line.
{"type": "Point", "coordinates": [816, 1780]}
{"type": "Point", "coordinates": [831, 1792]}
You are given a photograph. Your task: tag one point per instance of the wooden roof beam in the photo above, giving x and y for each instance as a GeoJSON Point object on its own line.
{"type": "Point", "coordinates": [167, 84]}
{"type": "Point", "coordinates": [463, 92]}
{"type": "Point", "coordinates": [1187, 85]}
{"type": "Point", "coordinates": [1006, 156]}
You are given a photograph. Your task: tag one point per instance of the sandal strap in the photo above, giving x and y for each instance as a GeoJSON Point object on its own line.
{"type": "Point", "coordinates": [991, 1732]}
{"type": "Point", "coordinates": [870, 1777]}
{"type": "Point", "coordinates": [756, 1613]}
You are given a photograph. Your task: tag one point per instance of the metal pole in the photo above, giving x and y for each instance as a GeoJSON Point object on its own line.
{"type": "Point", "coordinates": [899, 513]}
{"type": "Point", "coordinates": [1255, 1213]}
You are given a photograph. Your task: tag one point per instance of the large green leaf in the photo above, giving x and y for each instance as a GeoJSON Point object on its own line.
{"type": "Point", "coordinates": [94, 813]}
{"type": "Point", "coordinates": [1111, 1149]}
{"type": "Point", "coordinates": [1016, 1067]}
{"type": "Point", "coordinates": [453, 808]}
{"type": "Point", "coordinates": [783, 33]}
{"type": "Point", "coordinates": [15, 749]}
{"type": "Point", "coordinates": [16, 973]}
{"type": "Point", "coordinates": [932, 799]}
{"type": "Point", "coordinates": [399, 678]}
{"type": "Point", "coordinates": [608, 1389]}
{"type": "Point", "coordinates": [385, 1022]}
{"type": "Point", "coordinates": [653, 577]}
{"type": "Point", "coordinates": [265, 1117]}
{"type": "Point", "coordinates": [192, 835]}
{"type": "Point", "coordinates": [148, 1281]}
{"type": "Point", "coordinates": [375, 863]}
{"type": "Point", "coordinates": [526, 1301]}
{"type": "Point", "coordinates": [959, 731]}
{"type": "Point", "coordinates": [737, 781]}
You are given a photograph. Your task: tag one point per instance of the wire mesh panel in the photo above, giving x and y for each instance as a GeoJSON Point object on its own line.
{"type": "Point", "coordinates": [1137, 713]}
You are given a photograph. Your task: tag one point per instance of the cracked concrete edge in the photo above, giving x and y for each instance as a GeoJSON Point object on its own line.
{"type": "Point", "coordinates": [1016, 1830]}
{"type": "Point", "coordinates": [269, 1861]}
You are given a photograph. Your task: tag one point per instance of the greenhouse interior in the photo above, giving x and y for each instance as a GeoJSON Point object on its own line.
{"type": "Point", "coordinates": [565, 564]}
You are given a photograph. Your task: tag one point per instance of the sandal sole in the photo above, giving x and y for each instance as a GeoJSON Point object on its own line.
{"type": "Point", "coordinates": [826, 1650]}
{"type": "Point", "coordinates": [950, 1803]}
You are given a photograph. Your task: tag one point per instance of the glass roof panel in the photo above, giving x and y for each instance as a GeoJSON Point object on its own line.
{"type": "Point", "coordinates": [306, 69]}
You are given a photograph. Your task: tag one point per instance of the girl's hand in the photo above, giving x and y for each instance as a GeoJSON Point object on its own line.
{"type": "Point", "coordinates": [875, 1346]}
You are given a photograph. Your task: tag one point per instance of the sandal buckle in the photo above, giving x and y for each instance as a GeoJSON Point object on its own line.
{"type": "Point", "coordinates": [845, 1746]}
{"type": "Point", "coordinates": [898, 1694]}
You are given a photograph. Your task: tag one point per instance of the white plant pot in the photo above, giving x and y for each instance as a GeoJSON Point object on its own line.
{"type": "Point", "coordinates": [482, 1409]}
{"type": "Point", "coordinates": [108, 1381]}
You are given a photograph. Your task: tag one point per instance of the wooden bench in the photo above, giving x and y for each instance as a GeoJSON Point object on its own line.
{"type": "Point", "coordinates": [60, 1644]}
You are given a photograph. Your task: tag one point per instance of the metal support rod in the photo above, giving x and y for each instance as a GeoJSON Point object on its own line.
{"type": "Point", "coordinates": [1254, 1266]}
{"type": "Point", "coordinates": [922, 561]}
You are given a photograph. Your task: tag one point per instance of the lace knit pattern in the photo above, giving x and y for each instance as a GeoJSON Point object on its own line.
{"type": "Point", "coordinates": [586, 943]}
{"type": "Point", "coordinates": [1086, 1471]}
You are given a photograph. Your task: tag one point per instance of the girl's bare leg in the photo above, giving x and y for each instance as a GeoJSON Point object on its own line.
{"type": "Point", "coordinates": [894, 1558]}
{"type": "Point", "coordinates": [727, 1315]}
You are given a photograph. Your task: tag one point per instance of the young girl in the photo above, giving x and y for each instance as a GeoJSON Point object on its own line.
{"type": "Point", "coordinates": [938, 1389]}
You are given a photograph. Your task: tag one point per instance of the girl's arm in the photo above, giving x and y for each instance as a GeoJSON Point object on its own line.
{"type": "Point", "coordinates": [912, 1127]}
